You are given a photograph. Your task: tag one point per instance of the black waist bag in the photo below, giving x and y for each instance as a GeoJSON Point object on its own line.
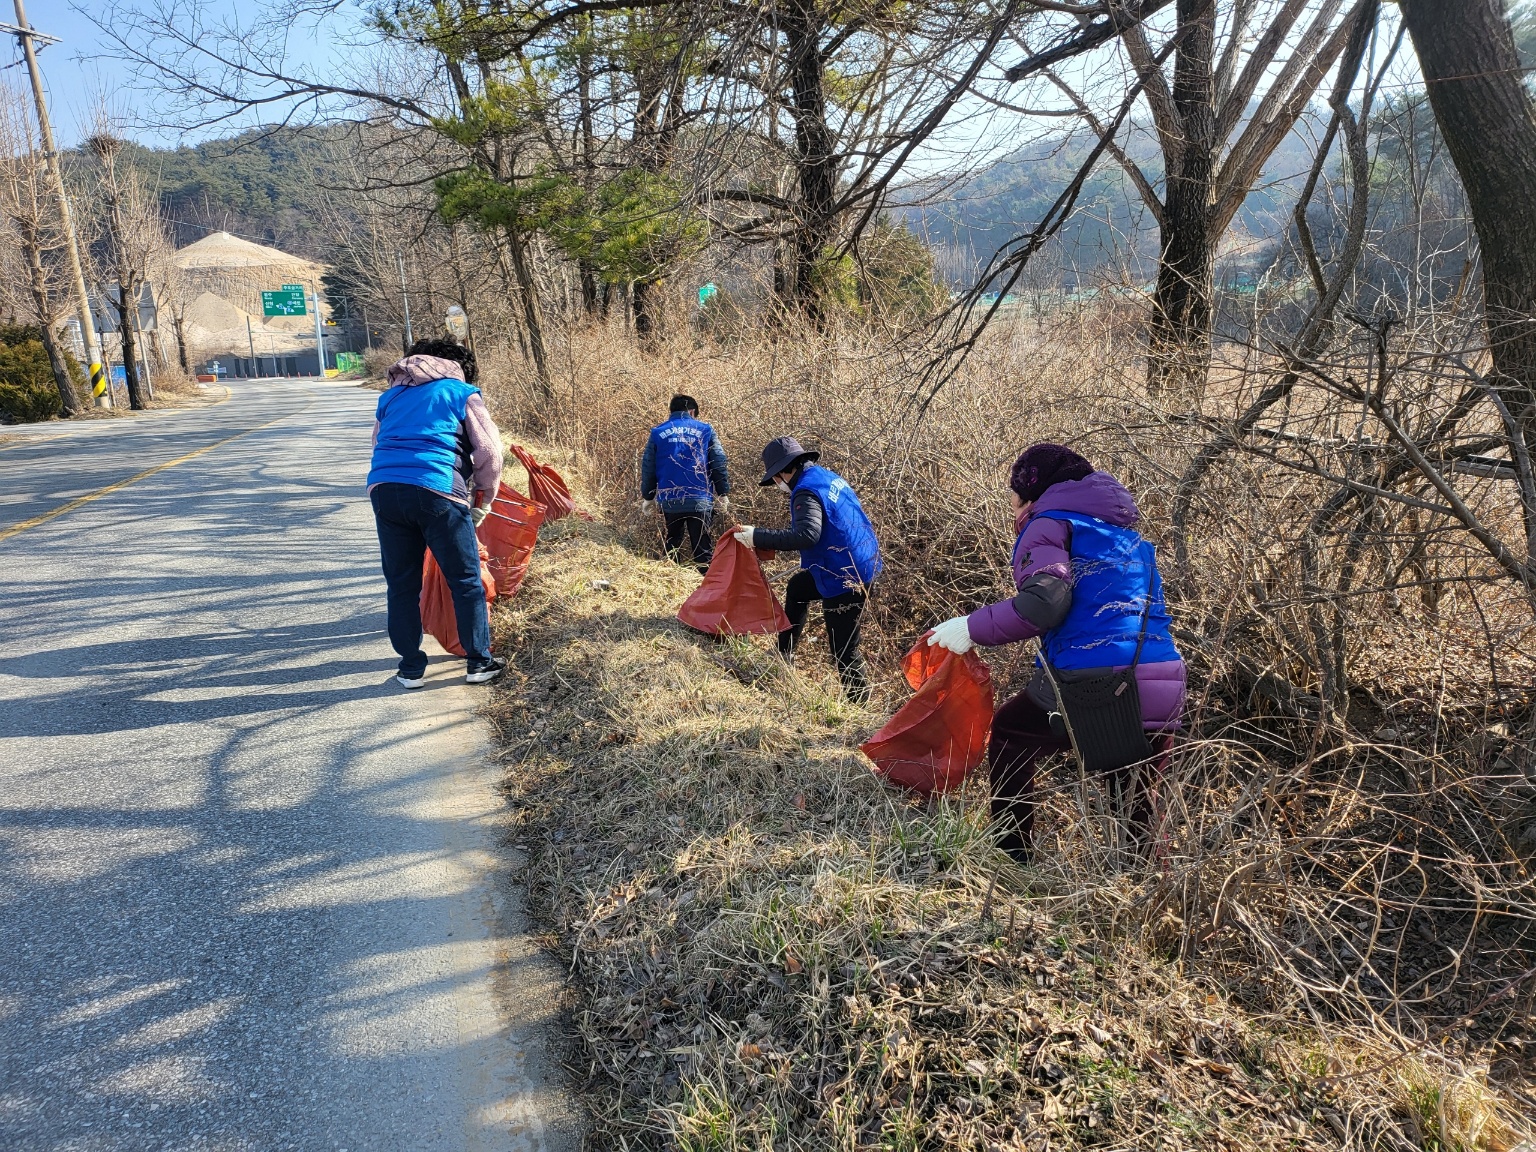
{"type": "Point", "coordinates": [1102, 714]}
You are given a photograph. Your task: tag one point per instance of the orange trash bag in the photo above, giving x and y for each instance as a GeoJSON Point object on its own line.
{"type": "Point", "coordinates": [545, 486]}
{"type": "Point", "coordinates": [939, 735]}
{"type": "Point", "coordinates": [437, 616]}
{"type": "Point", "coordinates": [508, 535]}
{"type": "Point", "coordinates": [734, 599]}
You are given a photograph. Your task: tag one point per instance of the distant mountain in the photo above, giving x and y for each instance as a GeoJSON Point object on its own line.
{"type": "Point", "coordinates": [969, 221]}
{"type": "Point", "coordinates": [256, 185]}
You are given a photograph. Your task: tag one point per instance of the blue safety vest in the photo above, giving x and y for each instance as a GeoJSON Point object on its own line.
{"type": "Point", "coordinates": [421, 436]}
{"type": "Point", "coordinates": [1111, 568]}
{"type": "Point", "coordinates": [847, 557]}
{"type": "Point", "coordinates": [682, 460]}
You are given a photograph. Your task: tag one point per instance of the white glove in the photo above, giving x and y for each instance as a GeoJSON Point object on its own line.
{"type": "Point", "coordinates": [954, 635]}
{"type": "Point", "coordinates": [722, 504]}
{"type": "Point", "coordinates": [648, 507]}
{"type": "Point", "coordinates": [744, 535]}
{"type": "Point", "coordinates": [479, 514]}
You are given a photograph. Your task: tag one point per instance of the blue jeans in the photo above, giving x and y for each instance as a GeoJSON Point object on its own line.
{"type": "Point", "coordinates": [412, 519]}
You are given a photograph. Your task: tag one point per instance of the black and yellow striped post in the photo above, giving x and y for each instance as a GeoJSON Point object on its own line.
{"type": "Point", "coordinates": [98, 380]}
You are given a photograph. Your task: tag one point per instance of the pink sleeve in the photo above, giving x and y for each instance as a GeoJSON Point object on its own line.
{"type": "Point", "coordinates": [484, 445]}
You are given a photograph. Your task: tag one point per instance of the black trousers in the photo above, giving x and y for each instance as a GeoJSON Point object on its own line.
{"type": "Point", "coordinates": [695, 527]}
{"type": "Point", "coordinates": [1022, 736]}
{"type": "Point", "coordinates": [843, 615]}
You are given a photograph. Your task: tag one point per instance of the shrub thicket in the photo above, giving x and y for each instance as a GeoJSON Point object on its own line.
{"type": "Point", "coordinates": [27, 388]}
{"type": "Point", "coordinates": [1350, 821]}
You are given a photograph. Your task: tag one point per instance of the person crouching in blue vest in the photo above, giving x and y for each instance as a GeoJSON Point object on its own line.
{"type": "Point", "coordinates": [1089, 588]}
{"type": "Point", "coordinates": [683, 472]}
{"type": "Point", "coordinates": [436, 468]}
{"type": "Point", "coordinates": [839, 555]}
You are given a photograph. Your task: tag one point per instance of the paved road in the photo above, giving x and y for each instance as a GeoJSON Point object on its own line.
{"type": "Point", "coordinates": [251, 892]}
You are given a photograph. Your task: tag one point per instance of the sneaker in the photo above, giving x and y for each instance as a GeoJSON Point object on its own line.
{"type": "Point", "coordinates": [483, 673]}
{"type": "Point", "coordinates": [410, 681]}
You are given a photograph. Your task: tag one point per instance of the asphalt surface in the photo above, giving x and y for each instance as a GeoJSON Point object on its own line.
{"type": "Point", "coordinates": [253, 895]}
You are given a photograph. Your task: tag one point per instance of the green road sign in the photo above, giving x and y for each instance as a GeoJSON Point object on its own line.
{"type": "Point", "coordinates": [349, 362]}
{"type": "Point", "coordinates": [287, 301]}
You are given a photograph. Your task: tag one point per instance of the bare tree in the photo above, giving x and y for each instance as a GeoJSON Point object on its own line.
{"type": "Point", "coordinates": [133, 239]}
{"type": "Point", "coordinates": [1243, 73]}
{"type": "Point", "coordinates": [841, 98]}
{"type": "Point", "coordinates": [30, 211]}
{"type": "Point", "coordinates": [1487, 115]}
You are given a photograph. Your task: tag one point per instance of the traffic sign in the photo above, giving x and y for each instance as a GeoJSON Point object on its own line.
{"type": "Point", "coordinates": [287, 301]}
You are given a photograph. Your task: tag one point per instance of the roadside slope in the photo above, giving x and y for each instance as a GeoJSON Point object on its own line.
{"type": "Point", "coordinates": [772, 950]}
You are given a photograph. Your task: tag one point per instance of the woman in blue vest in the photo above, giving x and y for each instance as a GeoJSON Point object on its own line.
{"type": "Point", "coordinates": [839, 555]}
{"type": "Point", "coordinates": [436, 468]}
{"type": "Point", "coordinates": [1086, 583]}
{"type": "Point", "coordinates": [683, 472]}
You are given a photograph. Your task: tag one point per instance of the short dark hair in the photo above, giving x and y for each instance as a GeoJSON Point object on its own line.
{"type": "Point", "coordinates": [446, 349]}
{"type": "Point", "coordinates": [682, 403]}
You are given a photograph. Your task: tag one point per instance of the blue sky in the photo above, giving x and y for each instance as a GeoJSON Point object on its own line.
{"type": "Point", "coordinates": [79, 73]}
{"type": "Point", "coordinates": [72, 72]}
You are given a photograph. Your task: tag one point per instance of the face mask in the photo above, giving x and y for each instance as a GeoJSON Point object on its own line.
{"type": "Point", "coordinates": [782, 487]}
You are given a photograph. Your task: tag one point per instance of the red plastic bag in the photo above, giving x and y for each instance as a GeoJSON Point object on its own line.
{"type": "Point", "coordinates": [545, 486]}
{"type": "Point", "coordinates": [437, 616]}
{"type": "Point", "coordinates": [508, 535]}
{"type": "Point", "coordinates": [734, 599]}
{"type": "Point", "coordinates": [939, 735]}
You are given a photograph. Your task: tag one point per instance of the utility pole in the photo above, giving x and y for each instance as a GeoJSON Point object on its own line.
{"type": "Point", "coordinates": [143, 348]}
{"type": "Point", "coordinates": [23, 32]}
{"type": "Point", "coordinates": [251, 340]}
{"type": "Point", "coordinates": [405, 298]}
{"type": "Point", "coordinates": [319, 331]}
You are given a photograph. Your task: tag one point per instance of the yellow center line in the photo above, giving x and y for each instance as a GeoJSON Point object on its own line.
{"type": "Point", "coordinates": [17, 529]}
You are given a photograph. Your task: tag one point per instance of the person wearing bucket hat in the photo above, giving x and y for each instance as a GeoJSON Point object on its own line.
{"type": "Point", "coordinates": [683, 474]}
{"type": "Point", "coordinates": [1089, 589]}
{"type": "Point", "coordinates": [839, 555]}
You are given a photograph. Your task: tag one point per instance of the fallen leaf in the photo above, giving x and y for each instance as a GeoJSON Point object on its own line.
{"type": "Point", "coordinates": [799, 801]}
{"type": "Point", "coordinates": [791, 965]}
{"type": "Point", "coordinates": [1212, 1067]}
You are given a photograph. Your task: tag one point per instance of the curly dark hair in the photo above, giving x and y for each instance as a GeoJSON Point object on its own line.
{"type": "Point", "coordinates": [447, 350]}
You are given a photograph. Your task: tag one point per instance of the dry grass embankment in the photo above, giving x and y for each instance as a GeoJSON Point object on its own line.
{"type": "Point", "coordinates": [771, 950]}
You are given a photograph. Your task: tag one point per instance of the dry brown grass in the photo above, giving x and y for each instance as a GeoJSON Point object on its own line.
{"type": "Point", "coordinates": [1342, 913]}
{"type": "Point", "coordinates": [173, 389]}
{"type": "Point", "coordinates": [769, 949]}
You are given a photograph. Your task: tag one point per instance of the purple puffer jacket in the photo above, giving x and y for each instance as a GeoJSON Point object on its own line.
{"type": "Point", "coordinates": [1045, 548]}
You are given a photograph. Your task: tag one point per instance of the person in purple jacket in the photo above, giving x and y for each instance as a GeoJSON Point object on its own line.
{"type": "Point", "coordinates": [1084, 576]}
